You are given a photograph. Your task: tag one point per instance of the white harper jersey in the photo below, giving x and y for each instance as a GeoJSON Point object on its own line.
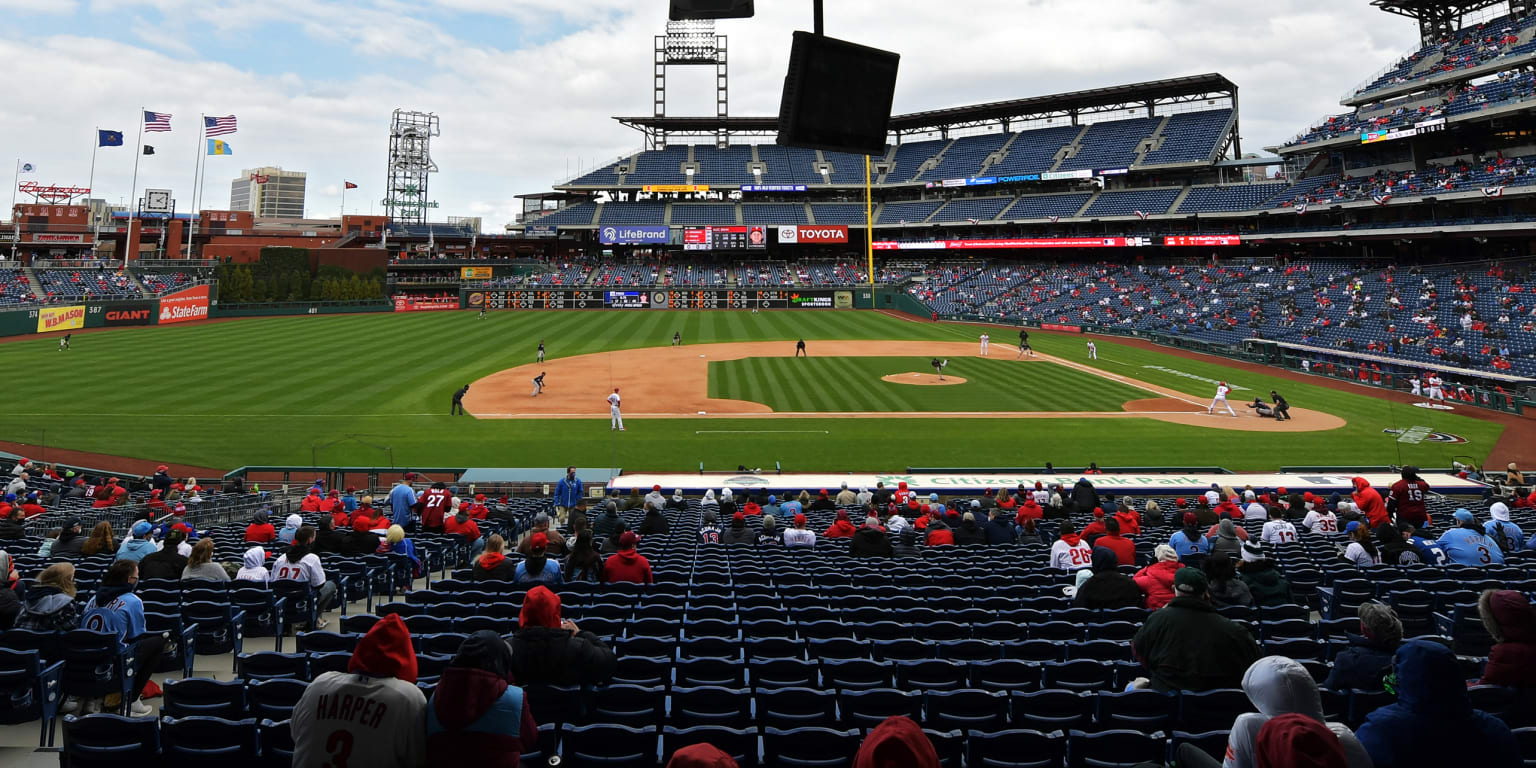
{"type": "Point", "coordinates": [356, 720]}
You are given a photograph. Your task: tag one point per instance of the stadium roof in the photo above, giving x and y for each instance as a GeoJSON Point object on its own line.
{"type": "Point", "coordinates": [1171, 90]}
{"type": "Point", "coordinates": [1417, 8]}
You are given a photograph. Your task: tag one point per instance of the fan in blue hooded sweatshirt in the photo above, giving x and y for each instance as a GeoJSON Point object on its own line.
{"type": "Point", "coordinates": [1433, 724]}
{"type": "Point", "coordinates": [138, 546]}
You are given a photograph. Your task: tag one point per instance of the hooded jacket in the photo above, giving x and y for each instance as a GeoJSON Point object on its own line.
{"type": "Point", "coordinates": [1108, 587]}
{"type": "Point", "coordinates": [870, 542]}
{"type": "Point", "coordinates": [48, 609]}
{"type": "Point", "coordinates": [1280, 686]}
{"type": "Point", "coordinates": [627, 565]}
{"type": "Point", "coordinates": [291, 526]}
{"type": "Point", "coordinates": [164, 564]}
{"type": "Point", "coordinates": [1084, 497]}
{"type": "Point", "coordinates": [970, 534]}
{"type": "Point", "coordinates": [254, 566]}
{"type": "Point", "coordinates": [135, 548]}
{"type": "Point", "coordinates": [475, 717]}
{"type": "Point", "coordinates": [841, 528]}
{"type": "Point", "coordinates": [1069, 553]}
{"type": "Point", "coordinates": [1432, 702]}
{"type": "Point", "coordinates": [896, 743]}
{"type": "Point", "coordinates": [939, 535]}
{"type": "Point", "coordinates": [1370, 503]}
{"type": "Point", "coordinates": [999, 531]}
{"type": "Point", "coordinates": [1265, 583]}
{"type": "Point", "coordinates": [12, 529]}
{"type": "Point", "coordinates": [543, 653]}
{"type": "Point", "coordinates": [1511, 621]}
{"type": "Point", "coordinates": [1188, 646]}
{"type": "Point", "coordinates": [493, 566]}
{"type": "Point", "coordinates": [1156, 581]}
{"type": "Point", "coordinates": [375, 702]}
{"type": "Point", "coordinates": [701, 756]}
{"type": "Point", "coordinates": [1362, 665]}
{"type": "Point", "coordinates": [260, 531]}
{"type": "Point", "coordinates": [1226, 541]}
{"type": "Point", "coordinates": [1297, 741]}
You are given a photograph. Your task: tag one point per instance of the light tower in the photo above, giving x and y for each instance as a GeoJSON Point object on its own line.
{"type": "Point", "coordinates": [690, 43]}
{"type": "Point", "coordinates": [410, 160]}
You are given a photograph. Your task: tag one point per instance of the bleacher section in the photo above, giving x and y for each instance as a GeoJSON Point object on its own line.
{"type": "Point", "coordinates": [1128, 202]}
{"type": "Point", "coordinates": [76, 283]}
{"type": "Point", "coordinates": [786, 165]}
{"type": "Point", "coordinates": [703, 213]}
{"type": "Point", "coordinates": [664, 166]}
{"type": "Point", "coordinates": [908, 212]}
{"type": "Point", "coordinates": [909, 156]}
{"type": "Point", "coordinates": [1110, 144]}
{"type": "Point", "coordinates": [722, 166]}
{"type": "Point", "coordinates": [773, 213]}
{"type": "Point", "coordinates": [1235, 197]}
{"type": "Point", "coordinates": [1465, 48]}
{"type": "Point", "coordinates": [14, 287]}
{"type": "Point", "coordinates": [964, 158]}
{"type": "Point", "coordinates": [979, 209]}
{"type": "Point", "coordinates": [1046, 206]}
{"type": "Point", "coordinates": [838, 213]}
{"type": "Point", "coordinates": [1034, 151]}
{"type": "Point", "coordinates": [165, 281]}
{"type": "Point", "coordinates": [578, 214]}
{"type": "Point", "coordinates": [1190, 137]}
{"type": "Point", "coordinates": [642, 212]}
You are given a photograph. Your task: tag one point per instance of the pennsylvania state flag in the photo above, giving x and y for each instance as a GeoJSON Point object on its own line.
{"type": "Point", "coordinates": [109, 138]}
{"type": "Point", "coordinates": [219, 147]}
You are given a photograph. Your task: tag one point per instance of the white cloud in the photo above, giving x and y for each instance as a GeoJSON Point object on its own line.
{"type": "Point", "coordinates": [520, 116]}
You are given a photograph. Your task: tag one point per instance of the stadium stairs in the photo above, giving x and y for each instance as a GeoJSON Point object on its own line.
{"type": "Point", "coordinates": [32, 281]}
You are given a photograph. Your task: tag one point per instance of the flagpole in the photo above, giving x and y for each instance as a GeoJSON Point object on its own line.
{"type": "Point", "coordinates": [343, 199]}
{"type": "Point", "coordinates": [91, 185]}
{"type": "Point", "coordinates": [15, 180]}
{"type": "Point", "coordinates": [133, 188]}
{"type": "Point", "coordinates": [197, 163]}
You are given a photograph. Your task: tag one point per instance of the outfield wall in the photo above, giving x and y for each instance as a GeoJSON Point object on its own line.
{"type": "Point", "coordinates": [194, 302]}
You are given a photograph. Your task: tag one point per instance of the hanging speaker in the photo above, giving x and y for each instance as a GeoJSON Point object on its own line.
{"type": "Point", "coordinates": [837, 95]}
{"type": "Point", "coordinates": [710, 9]}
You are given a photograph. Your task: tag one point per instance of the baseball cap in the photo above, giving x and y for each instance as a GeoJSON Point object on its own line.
{"type": "Point", "coordinates": [933, 497]}
{"type": "Point", "coordinates": [1190, 581]}
{"type": "Point", "coordinates": [1190, 519]}
{"type": "Point", "coordinates": [161, 468]}
{"type": "Point", "coordinates": [1464, 516]}
{"type": "Point", "coordinates": [538, 541]}
{"type": "Point", "coordinates": [656, 488]}
{"type": "Point", "coordinates": [628, 539]}
{"type": "Point", "coordinates": [1353, 525]}
{"type": "Point", "coordinates": [799, 519]}
{"type": "Point", "coordinates": [141, 529]}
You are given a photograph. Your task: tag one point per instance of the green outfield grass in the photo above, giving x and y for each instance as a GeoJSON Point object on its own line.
{"type": "Point", "coordinates": [373, 390]}
{"type": "Point", "coordinates": [830, 384]}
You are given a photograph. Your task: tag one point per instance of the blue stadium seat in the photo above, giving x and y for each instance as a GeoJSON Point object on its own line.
{"type": "Point", "coordinates": [809, 747]}
{"type": "Point", "coordinates": [110, 741]}
{"type": "Point", "coordinates": [1016, 748]}
{"type": "Point", "coordinates": [204, 697]}
{"type": "Point", "coordinates": [194, 742]}
{"type": "Point", "coordinates": [613, 746]}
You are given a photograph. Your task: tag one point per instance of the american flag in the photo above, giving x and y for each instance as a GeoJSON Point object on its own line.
{"type": "Point", "coordinates": [157, 121]}
{"type": "Point", "coordinates": [218, 126]}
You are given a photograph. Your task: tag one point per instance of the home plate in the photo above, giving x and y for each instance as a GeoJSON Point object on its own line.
{"type": "Point", "coordinates": [701, 413]}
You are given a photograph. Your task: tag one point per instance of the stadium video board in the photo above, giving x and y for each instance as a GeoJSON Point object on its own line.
{"type": "Point", "coordinates": [669, 298]}
{"type": "Point", "coordinates": [725, 238]}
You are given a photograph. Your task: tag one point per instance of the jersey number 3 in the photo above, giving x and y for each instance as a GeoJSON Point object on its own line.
{"type": "Point", "coordinates": [339, 746]}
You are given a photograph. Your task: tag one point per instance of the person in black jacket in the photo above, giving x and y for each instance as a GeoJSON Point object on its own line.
{"type": "Point", "coordinates": [1368, 659]}
{"type": "Point", "coordinates": [1188, 646]}
{"type": "Point", "coordinates": [870, 540]}
{"type": "Point", "coordinates": [906, 543]}
{"type": "Point", "coordinates": [12, 526]}
{"type": "Point", "coordinates": [1084, 497]}
{"type": "Point", "coordinates": [167, 563]}
{"type": "Point", "coordinates": [550, 651]}
{"type": "Point", "coordinates": [654, 523]}
{"type": "Point", "coordinates": [493, 565]}
{"type": "Point", "coordinates": [738, 532]}
{"type": "Point", "coordinates": [71, 538]}
{"type": "Point", "coordinates": [327, 539]}
{"type": "Point", "coordinates": [1108, 587]}
{"type": "Point", "coordinates": [968, 533]}
{"type": "Point", "coordinates": [604, 524]}
{"type": "Point", "coordinates": [10, 599]}
{"type": "Point", "coordinates": [999, 529]}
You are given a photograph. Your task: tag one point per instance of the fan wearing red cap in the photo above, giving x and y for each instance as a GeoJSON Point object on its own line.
{"type": "Point", "coordinates": [373, 712]}
{"type": "Point", "coordinates": [477, 510]}
{"type": "Point", "coordinates": [538, 568]}
{"type": "Point", "coordinates": [161, 480]}
{"type": "Point", "coordinates": [627, 565]}
{"type": "Point", "coordinates": [1319, 518]}
{"type": "Point", "coordinates": [799, 536]}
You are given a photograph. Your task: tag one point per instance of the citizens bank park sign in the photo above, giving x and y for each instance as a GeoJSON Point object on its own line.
{"type": "Point", "coordinates": [974, 484]}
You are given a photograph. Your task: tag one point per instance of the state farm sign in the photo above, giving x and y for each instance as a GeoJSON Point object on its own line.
{"type": "Point", "coordinates": [790, 234]}
{"type": "Point", "coordinates": [184, 306]}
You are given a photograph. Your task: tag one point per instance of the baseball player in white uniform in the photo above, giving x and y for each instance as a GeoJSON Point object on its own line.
{"type": "Point", "coordinates": [1413, 383]}
{"type": "Point", "coordinates": [613, 412]}
{"type": "Point", "coordinates": [1221, 399]}
{"type": "Point", "coordinates": [1436, 387]}
{"type": "Point", "coordinates": [1093, 351]}
{"type": "Point", "coordinates": [985, 340]}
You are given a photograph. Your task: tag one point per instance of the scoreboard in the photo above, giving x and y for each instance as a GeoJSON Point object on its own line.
{"type": "Point", "coordinates": [660, 298]}
{"type": "Point", "coordinates": [725, 238]}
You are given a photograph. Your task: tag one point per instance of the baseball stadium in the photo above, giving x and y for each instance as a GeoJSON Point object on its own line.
{"type": "Point", "coordinates": [1052, 431]}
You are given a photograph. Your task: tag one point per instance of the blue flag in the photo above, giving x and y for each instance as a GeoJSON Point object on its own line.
{"type": "Point", "coordinates": [219, 147]}
{"type": "Point", "coordinates": [109, 138]}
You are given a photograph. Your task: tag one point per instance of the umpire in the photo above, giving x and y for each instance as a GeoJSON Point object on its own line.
{"type": "Point", "coordinates": [457, 409]}
{"type": "Point", "coordinates": [1282, 408]}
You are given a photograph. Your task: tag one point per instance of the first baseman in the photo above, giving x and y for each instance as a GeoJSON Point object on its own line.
{"type": "Point", "coordinates": [1093, 351]}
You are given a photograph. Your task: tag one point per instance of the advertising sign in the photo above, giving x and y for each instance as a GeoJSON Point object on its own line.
{"type": "Point", "coordinates": [474, 273]}
{"type": "Point", "coordinates": [45, 237]}
{"type": "Point", "coordinates": [539, 230]}
{"type": "Point", "coordinates": [1182, 240]}
{"type": "Point", "coordinates": [1060, 328]}
{"type": "Point", "coordinates": [635, 234]}
{"type": "Point", "coordinates": [184, 305]}
{"type": "Point", "coordinates": [727, 238]}
{"type": "Point", "coordinates": [128, 313]}
{"type": "Point", "coordinates": [1057, 175]}
{"type": "Point", "coordinates": [627, 299]}
{"type": "Point", "coordinates": [790, 234]}
{"type": "Point", "coordinates": [407, 304]}
{"type": "Point", "coordinates": [61, 318]}
{"type": "Point", "coordinates": [1026, 242]}
{"type": "Point", "coordinates": [676, 187]}
{"type": "Point", "coordinates": [773, 187]}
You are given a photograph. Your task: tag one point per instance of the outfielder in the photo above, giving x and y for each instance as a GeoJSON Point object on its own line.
{"type": "Point", "coordinates": [1024, 344]}
{"type": "Point", "coordinates": [938, 366]}
{"type": "Point", "coordinates": [482, 311]}
{"type": "Point", "coordinates": [1221, 399]}
{"type": "Point", "coordinates": [985, 339]}
{"type": "Point", "coordinates": [613, 412]}
{"type": "Point", "coordinates": [677, 338]}
{"type": "Point", "coordinates": [541, 353]}
{"type": "Point", "coordinates": [1093, 351]}
{"type": "Point", "coordinates": [538, 384]}
{"type": "Point", "coordinates": [64, 342]}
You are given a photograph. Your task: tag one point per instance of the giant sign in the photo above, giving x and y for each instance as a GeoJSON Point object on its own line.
{"type": "Point", "coordinates": [61, 318]}
{"type": "Point", "coordinates": [127, 313]}
{"type": "Point", "coordinates": [634, 234]}
{"type": "Point", "coordinates": [804, 234]}
{"type": "Point", "coordinates": [184, 305]}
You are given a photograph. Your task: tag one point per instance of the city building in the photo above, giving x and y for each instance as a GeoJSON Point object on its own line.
{"type": "Point", "coordinates": [269, 193]}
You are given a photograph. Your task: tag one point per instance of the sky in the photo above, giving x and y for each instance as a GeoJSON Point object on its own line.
{"type": "Point", "coordinates": [525, 89]}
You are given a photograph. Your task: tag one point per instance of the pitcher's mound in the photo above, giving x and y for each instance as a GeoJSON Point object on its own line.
{"type": "Point", "coordinates": [922, 379]}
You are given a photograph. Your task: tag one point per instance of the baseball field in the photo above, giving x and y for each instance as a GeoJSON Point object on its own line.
{"type": "Point", "coordinates": [374, 390]}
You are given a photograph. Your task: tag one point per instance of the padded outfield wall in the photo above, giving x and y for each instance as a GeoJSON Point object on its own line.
{"type": "Point", "coordinates": [186, 305]}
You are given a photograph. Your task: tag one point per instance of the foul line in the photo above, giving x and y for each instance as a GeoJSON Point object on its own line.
{"type": "Point", "coordinates": [762, 432]}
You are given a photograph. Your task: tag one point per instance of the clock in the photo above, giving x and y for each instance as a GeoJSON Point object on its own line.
{"type": "Point", "coordinates": [157, 200]}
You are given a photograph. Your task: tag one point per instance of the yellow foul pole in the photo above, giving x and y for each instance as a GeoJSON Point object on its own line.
{"type": "Point", "coordinates": [869, 227]}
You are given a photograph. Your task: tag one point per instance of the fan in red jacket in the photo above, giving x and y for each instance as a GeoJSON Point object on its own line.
{"type": "Point", "coordinates": [366, 518]}
{"type": "Point", "coordinates": [339, 516]}
{"type": "Point", "coordinates": [434, 506]}
{"type": "Point", "coordinates": [841, 528]}
{"type": "Point", "coordinates": [1369, 501]}
{"type": "Point", "coordinates": [1130, 522]}
{"type": "Point", "coordinates": [1029, 510]}
{"type": "Point", "coordinates": [462, 525]}
{"type": "Point", "coordinates": [1157, 579]}
{"type": "Point", "coordinates": [1095, 528]}
{"type": "Point", "coordinates": [260, 531]}
{"type": "Point", "coordinates": [627, 565]}
{"type": "Point", "coordinates": [478, 510]}
{"type": "Point", "coordinates": [1124, 549]}
{"type": "Point", "coordinates": [312, 501]}
{"type": "Point", "coordinates": [30, 507]}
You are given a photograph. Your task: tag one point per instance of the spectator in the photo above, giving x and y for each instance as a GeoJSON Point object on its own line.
{"type": "Point", "coordinates": [1511, 622]}
{"type": "Point", "coordinates": [1368, 659]}
{"type": "Point", "coordinates": [254, 566]}
{"type": "Point", "coordinates": [568, 494]}
{"type": "Point", "coordinates": [1431, 702]}
{"type": "Point", "coordinates": [676, 501]}
{"type": "Point", "coordinates": [373, 713]}
{"type": "Point", "coordinates": [1188, 646]}
{"type": "Point", "coordinates": [260, 531]}
{"type": "Point", "coordinates": [101, 540]}
{"type": "Point", "coordinates": [493, 565]}
{"type": "Point", "coordinates": [727, 503]}
{"type": "Point", "coordinates": [12, 527]}
{"type": "Point", "coordinates": [584, 564]}
{"type": "Point", "coordinates": [937, 534]}
{"type": "Point", "coordinates": [200, 564]}
{"type": "Point", "coordinates": [166, 563]}
{"type": "Point", "coordinates": [72, 540]}
{"type": "Point", "coordinates": [655, 498]}
{"type": "Point", "coordinates": [709, 532]}
{"type": "Point", "coordinates": [1070, 552]}
{"type": "Point", "coordinates": [402, 499]}
{"type": "Point", "coordinates": [1124, 549]}
{"type": "Point", "coordinates": [137, 546]}
{"type": "Point", "coordinates": [1407, 498]}
{"type": "Point", "coordinates": [822, 502]}
{"type": "Point", "coordinates": [550, 651]}
{"type": "Point", "coordinates": [701, 756]}
{"type": "Point", "coordinates": [1156, 580]}
{"type": "Point", "coordinates": [968, 533]}
{"type": "Point", "coordinates": [870, 540]}
{"type": "Point", "coordinates": [10, 600]}
{"type": "Point", "coordinates": [1320, 520]}
{"type": "Point", "coordinates": [460, 524]}
{"type": "Point", "coordinates": [627, 565]}
{"type": "Point", "coordinates": [1277, 530]}
{"type": "Point", "coordinates": [896, 742]}
{"type": "Point", "coordinates": [1278, 686]}
{"type": "Point", "coordinates": [50, 604]}
{"type": "Point", "coordinates": [1187, 540]}
{"type": "Point", "coordinates": [538, 568]}
{"type": "Point", "coordinates": [998, 530]}
{"type": "Point", "coordinates": [1084, 497]}
{"type": "Point", "coordinates": [300, 564]}
{"type": "Point", "coordinates": [846, 498]}
{"type": "Point", "coordinates": [798, 536]}
{"type": "Point", "coordinates": [1465, 544]}
{"type": "Point", "coordinates": [1370, 503]}
{"type": "Point", "coordinates": [1226, 588]}
{"type": "Point", "coordinates": [115, 609]}
{"type": "Point", "coordinates": [395, 542]}
{"type": "Point", "coordinates": [1108, 587]}
{"type": "Point", "coordinates": [738, 532]}
{"type": "Point", "coordinates": [476, 717]}
{"type": "Point", "coordinates": [327, 538]}
{"type": "Point", "coordinates": [841, 528]}
{"type": "Point", "coordinates": [1296, 741]}
{"type": "Point", "coordinates": [654, 523]}
{"type": "Point", "coordinates": [607, 522]}
{"type": "Point", "coordinates": [770, 534]}
{"type": "Point", "coordinates": [1504, 533]}
{"type": "Point", "coordinates": [555, 541]}
{"type": "Point", "coordinates": [291, 526]}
